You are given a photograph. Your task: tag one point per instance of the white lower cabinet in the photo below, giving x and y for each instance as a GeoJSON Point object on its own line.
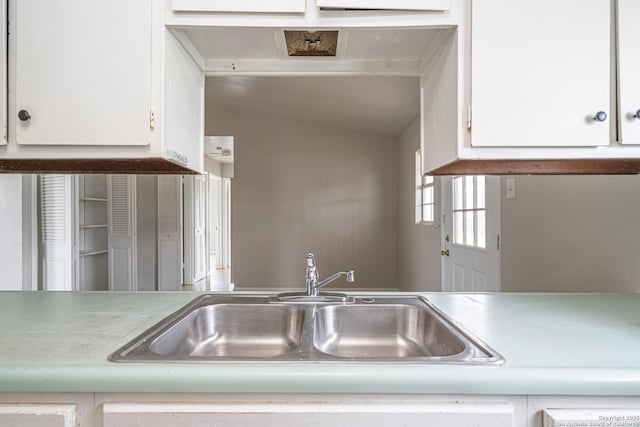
{"type": "Point", "coordinates": [275, 414]}
{"type": "Point", "coordinates": [313, 410]}
{"type": "Point", "coordinates": [37, 415]}
{"type": "Point", "coordinates": [591, 417]}
{"type": "Point", "coordinates": [594, 411]}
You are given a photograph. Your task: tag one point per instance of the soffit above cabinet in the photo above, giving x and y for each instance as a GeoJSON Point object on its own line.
{"type": "Point", "coordinates": [434, 5]}
{"type": "Point", "coordinates": [280, 6]}
{"type": "Point", "coordinates": [256, 50]}
{"type": "Point", "coordinates": [300, 6]}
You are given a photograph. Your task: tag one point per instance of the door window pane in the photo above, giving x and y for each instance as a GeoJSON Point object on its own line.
{"type": "Point", "coordinates": [469, 229]}
{"type": "Point", "coordinates": [457, 193]}
{"type": "Point", "coordinates": [469, 211]}
{"type": "Point", "coordinates": [458, 231]}
{"type": "Point", "coordinates": [468, 192]}
{"type": "Point", "coordinates": [427, 213]}
{"type": "Point", "coordinates": [427, 196]}
{"type": "Point", "coordinates": [480, 192]}
{"type": "Point", "coordinates": [482, 229]}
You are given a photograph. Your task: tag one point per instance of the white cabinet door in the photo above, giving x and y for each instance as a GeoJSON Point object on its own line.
{"type": "Point", "coordinates": [540, 73]}
{"type": "Point", "coordinates": [3, 72]}
{"type": "Point", "coordinates": [37, 415]}
{"type": "Point", "coordinates": [274, 6]}
{"type": "Point", "coordinates": [618, 417]}
{"type": "Point", "coordinates": [312, 414]}
{"type": "Point", "coordinates": [433, 5]}
{"type": "Point", "coordinates": [82, 72]}
{"type": "Point", "coordinates": [629, 71]}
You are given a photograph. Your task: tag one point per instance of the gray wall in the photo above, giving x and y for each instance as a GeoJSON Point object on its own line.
{"type": "Point", "coordinates": [572, 233]}
{"type": "Point", "coordinates": [147, 229]}
{"type": "Point", "coordinates": [418, 244]}
{"type": "Point", "coordinates": [301, 188]}
{"type": "Point", "coordinates": [212, 166]}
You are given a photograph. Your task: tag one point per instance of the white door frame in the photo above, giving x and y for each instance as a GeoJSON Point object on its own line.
{"type": "Point", "coordinates": [225, 208]}
{"type": "Point", "coordinates": [30, 232]}
{"type": "Point", "coordinates": [487, 261]}
{"type": "Point", "coordinates": [194, 229]}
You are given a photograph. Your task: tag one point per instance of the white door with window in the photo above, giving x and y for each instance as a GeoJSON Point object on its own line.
{"type": "Point", "coordinates": [470, 234]}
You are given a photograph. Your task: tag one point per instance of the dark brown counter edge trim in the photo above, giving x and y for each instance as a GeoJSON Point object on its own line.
{"type": "Point", "coordinates": [541, 167]}
{"type": "Point", "coordinates": [148, 166]}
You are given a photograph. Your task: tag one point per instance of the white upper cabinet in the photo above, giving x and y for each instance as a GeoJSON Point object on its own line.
{"type": "Point", "coordinates": [82, 72]}
{"type": "Point", "coordinates": [100, 86]}
{"type": "Point", "coordinates": [272, 6]}
{"type": "Point", "coordinates": [628, 71]}
{"type": "Point", "coordinates": [541, 72]}
{"type": "Point", "coordinates": [427, 5]}
{"type": "Point", "coordinates": [3, 72]}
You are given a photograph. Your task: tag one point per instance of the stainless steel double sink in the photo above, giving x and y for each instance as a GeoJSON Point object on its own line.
{"type": "Point", "coordinates": [377, 329]}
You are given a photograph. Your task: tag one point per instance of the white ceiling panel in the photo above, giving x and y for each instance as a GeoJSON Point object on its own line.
{"type": "Point", "coordinates": [389, 44]}
{"type": "Point", "coordinates": [236, 43]}
{"type": "Point", "coordinates": [215, 43]}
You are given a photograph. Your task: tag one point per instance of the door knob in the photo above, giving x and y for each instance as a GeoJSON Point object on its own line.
{"type": "Point", "coordinates": [444, 252]}
{"type": "Point", "coordinates": [637, 114]}
{"type": "Point", "coordinates": [600, 116]}
{"type": "Point", "coordinates": [24, 115]}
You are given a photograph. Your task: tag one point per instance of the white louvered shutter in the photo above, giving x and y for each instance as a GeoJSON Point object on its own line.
{"type": "Point", "coordinates": [122, 233]}
{"type": "Point", "coordinates": [169, 233]}
{"type": "Point", "coordinates": [57, 232]}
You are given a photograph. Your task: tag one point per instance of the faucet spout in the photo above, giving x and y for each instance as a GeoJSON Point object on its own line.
{"type": "Point", "coordinates": [350, 276]}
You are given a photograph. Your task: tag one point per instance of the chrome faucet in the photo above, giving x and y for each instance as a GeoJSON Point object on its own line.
{"type": "Point", "coordinates": [313, 286]}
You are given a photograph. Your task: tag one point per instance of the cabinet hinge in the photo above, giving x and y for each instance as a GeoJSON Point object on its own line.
{"type": "Point", "coordinates": [4, 133]}
{"type": "Point", "coordinates": [498, 243]}
{"type": "Point", "coordinates": [152, 120]}
{"type": "Point", "coordinates": [469, 117]}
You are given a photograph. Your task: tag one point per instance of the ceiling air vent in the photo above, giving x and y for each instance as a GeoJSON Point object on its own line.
{"type": "Point", "coordinates": [311, 43]}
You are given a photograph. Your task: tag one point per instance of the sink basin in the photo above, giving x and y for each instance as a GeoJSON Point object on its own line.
{"type": "Point", "coordinates": [364, 329]}
{"type": "Point", "coordinates": [383, 331]}
{"type": "Point", "coordinates": [233, 330]}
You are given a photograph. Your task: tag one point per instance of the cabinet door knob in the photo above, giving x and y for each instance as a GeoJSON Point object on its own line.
{"type": "Point", "coordinates": [637, 114]}
{"type": "Point", "coordinates": [600, 116]}
{"type": "Point", "coordinates": [24, 115]}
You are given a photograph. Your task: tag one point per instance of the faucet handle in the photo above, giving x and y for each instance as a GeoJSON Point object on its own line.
{"type": "Point", "coordinates": [312, 271]}
{"type": "Point", "coordinates": [311, 260]}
